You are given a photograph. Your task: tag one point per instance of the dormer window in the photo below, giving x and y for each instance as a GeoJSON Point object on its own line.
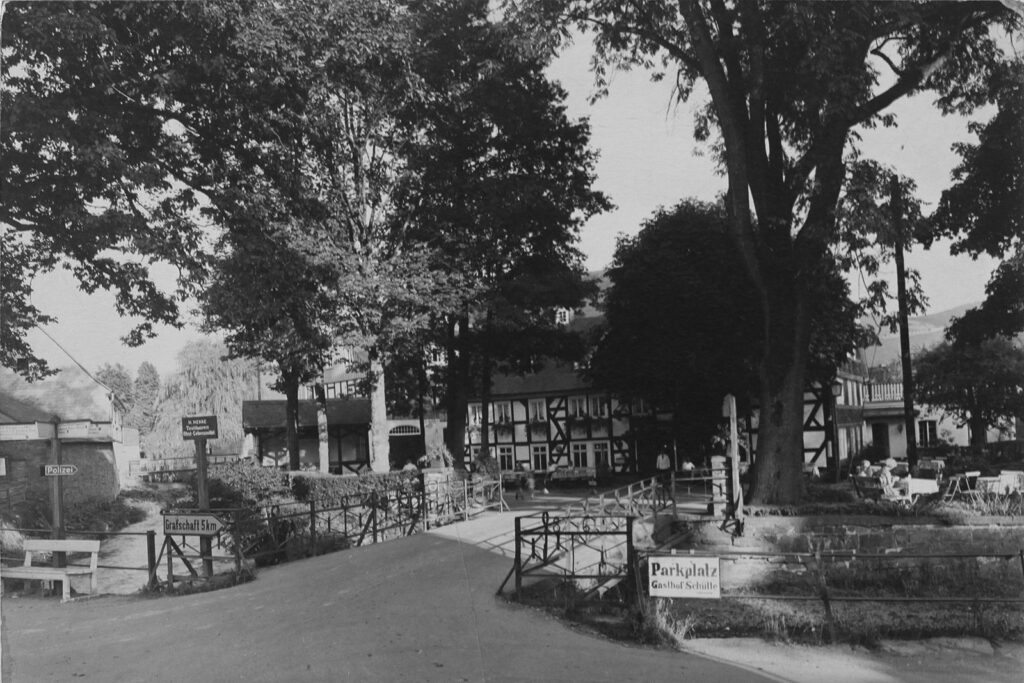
{"type": "Point", "coordinates": [562, 316]}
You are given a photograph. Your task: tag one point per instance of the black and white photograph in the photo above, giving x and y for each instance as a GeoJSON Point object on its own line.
{"type": "Point", "coordinates": [512, 340]}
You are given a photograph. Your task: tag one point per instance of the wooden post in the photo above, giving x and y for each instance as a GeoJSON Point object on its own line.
{"type": "Point", "coordinates": [519, 558]}
{"type": "Point", "coordinates": [734, 457]}
{"type": "Point", "coordinates": [57, 494]}
{"type": "Point", "coordinates": [151, 557]}
{"type": "Point", "coordinates": [312, 526]}
{"type": "Point", "coordinates": [170, 564]}
{"type": "Point", "coordinates": [203, 494]}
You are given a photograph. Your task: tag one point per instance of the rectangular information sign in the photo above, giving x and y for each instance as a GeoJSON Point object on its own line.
{"type": "Point", "coordinates": [681, 576]}
{"type": "Point", "coordinates": [199, 427]}
{"type": "Point", "coordinates": [59, 470]}
{"type": "Point", "coordinates": [191, 524]}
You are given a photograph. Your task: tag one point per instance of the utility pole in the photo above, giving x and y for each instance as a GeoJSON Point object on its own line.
{"type": "Point", "coordinates": [901, 296]}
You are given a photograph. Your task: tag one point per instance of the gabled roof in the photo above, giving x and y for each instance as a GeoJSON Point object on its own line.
{"type": "Point", "coordinates": [72, 395]}
{"type": "Point", "coordinates": [271, 414]}
{"type": "Point", "coordinates": [555, 377]}
{"type": "Point", "coordinates": [551, 379]}
{"type": "Point", "coordinates": [13, 410]}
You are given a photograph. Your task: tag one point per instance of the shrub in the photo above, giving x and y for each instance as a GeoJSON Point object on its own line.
{"type": "Point", "coordinates": [327, 490]}
{"type": "Point", "coordinates": [244, 482]}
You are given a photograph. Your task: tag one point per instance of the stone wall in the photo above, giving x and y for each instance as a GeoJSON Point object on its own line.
{"type": "Point", "coordinates": [861, 534]}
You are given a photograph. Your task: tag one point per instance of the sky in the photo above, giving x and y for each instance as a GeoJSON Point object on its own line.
{"type": "Point", "coordinates": [648, 159]}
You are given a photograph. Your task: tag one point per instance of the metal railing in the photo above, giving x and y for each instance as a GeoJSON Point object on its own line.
{"type": "Point", "coordinates": [158, 465]}
{"type": "Point", "coordinates": [589, 541]}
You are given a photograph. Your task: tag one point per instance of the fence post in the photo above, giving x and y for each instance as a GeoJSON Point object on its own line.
{"type": "Point", "coordinates": [465, 500]}
{"type": "Point", "coordinates": [631, 587]}
{"type": "Point", "coordinates": [236, 539]}
{"type": "Point", "coordinates": [519, 558]}
{"type": "Point", "coordinates": [373, 511]}
{"type": "Point", "coordinates": [312, 526]}
{"type": "Point", "coordinates": [151, 558]}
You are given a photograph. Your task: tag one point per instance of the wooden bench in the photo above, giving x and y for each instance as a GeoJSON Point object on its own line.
{"type": "Point", "coordinates": [50, 574]}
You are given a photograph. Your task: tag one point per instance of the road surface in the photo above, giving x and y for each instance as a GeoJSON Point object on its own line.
{"type": "Point", "coordinates": [416, 609]}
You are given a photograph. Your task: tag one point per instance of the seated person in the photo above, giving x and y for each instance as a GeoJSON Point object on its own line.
{"type": "Point", "coordinates": [863, 469]}
{"type": "Point", "coordinates": [890, 484]}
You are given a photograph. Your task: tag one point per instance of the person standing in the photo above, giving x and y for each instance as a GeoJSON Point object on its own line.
{"type": "Point", "coordinates": [664, 463]}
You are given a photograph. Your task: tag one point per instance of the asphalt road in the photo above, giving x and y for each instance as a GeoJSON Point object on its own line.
{"type": "Point", "coordinates": [416, 609]}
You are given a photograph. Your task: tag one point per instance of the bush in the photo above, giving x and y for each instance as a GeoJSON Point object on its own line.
{"type": "Point", "coordinates": [327, 490]}
{"type": "Point", "coordinates": [244, 482]}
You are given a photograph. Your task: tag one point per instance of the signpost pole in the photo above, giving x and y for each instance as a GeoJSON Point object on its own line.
{"type": "Point", "coordinates": [203, 493]}
{"type": "Point", "coordinates": [57, 493]}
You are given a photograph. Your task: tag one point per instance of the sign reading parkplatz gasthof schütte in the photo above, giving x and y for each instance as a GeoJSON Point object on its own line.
{"type": "Point", "coordinates": [681, 576]}
{"type": "Point", "coordinates": [199, 427]}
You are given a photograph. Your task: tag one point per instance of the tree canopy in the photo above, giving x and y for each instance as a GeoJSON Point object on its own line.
{"type": "Point", "coordinates": [984, 210]}
{"type": "Point", "coordinates": [982, 385]}
{"type": "Point", "coordinates": [93, 171]}
{"type": "Point", "coordinates": [681, 329]}
{"type": "Point", "coordinates": [789, 86]}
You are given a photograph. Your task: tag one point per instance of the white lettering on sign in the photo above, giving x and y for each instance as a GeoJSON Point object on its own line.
{"type": "Point", "coordinates": [59, 470]}
{"type": "Point", "coordinates": [199, 427]}
{"type": "Point", "coordinates": [191, 524]}
{"type": "Point", "coordinates": [684, 577]}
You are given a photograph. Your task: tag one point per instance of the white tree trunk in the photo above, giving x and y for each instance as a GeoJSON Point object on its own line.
{"type": "Point", "coordinates": [380, 450]}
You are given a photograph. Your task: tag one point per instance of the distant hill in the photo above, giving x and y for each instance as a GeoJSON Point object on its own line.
{"type": "Point", "coordinates": [926, 331]}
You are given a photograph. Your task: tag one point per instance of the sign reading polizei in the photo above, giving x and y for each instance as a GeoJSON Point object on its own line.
{"type": "Point", "coordinates": [199, 427]}
{"type": "Point", "coordinates": [675, 576]}
{"type": "Point", "coordinates": [191, 524]}
{"type": "Point", "coordinates": [59, 470]}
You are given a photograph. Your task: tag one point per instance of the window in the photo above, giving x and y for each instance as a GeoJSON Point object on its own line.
{"type": "Point", "coordinates": [927, 432]}
{"type": "Point", "coordinates": [475, 414]}
{"type": "Point", "coordinates": [579, 455]}
{"type": "Point", "coordinates": [599, 406]}
{"type": "Point", "coordinates": [538, 411]}
{"type": "Point", "coordinates": [540, 458]}
{"type": "Point", "coordinates": [505, 457]}
{"type": "Point", "coordinates": [503, 412]}
{"type": "Point", "coordinates": [577, 406]}
{"type": "Point", "coordinates": [639, 406]}
{"type": "Point", "coordinates": [562, 316]}
{"type": "Point", "coordinates": [331, 390]}
{"type": "Point", "coordinates": [601, 454]}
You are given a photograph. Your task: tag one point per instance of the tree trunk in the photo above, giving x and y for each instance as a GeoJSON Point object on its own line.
{"type": "Point", "coordinates": [291, 420]}
{"type": "Point", "coordinates": [777, 476]}
{"type": "Point", "coordinates": [979, 431]}
{"type": "Point", "coordinates": [380, 448]}
{"type": "Point", "coordinates": [322, 434]}
{"type": "Point", "coordinates": [457, 399]}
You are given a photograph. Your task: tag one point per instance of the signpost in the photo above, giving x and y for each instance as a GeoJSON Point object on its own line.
{"type": "Point", "coordinates": [59, 470]}
{"type": "Point", "coordinates": [199, 428]}
{"type": "Point", "coordinates": [681, 576]}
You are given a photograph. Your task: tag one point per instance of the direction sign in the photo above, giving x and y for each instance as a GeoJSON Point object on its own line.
{"type": "Point", "coordinates": [199, 427]}
{"type": "Point", "coordinates": [191, 524]}
{"type": "Point", "coordinates": [59, 470]}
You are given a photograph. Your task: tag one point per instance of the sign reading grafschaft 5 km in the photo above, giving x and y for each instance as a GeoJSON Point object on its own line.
{"type": "Point", "coordinates": [674, 576]}
{"type": "Point", "coordinates": [191, 524]}
{"type": "Point", "coordinates": [199, 427]}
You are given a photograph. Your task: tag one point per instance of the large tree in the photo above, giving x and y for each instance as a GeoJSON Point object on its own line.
{"type": "Point", "coordinates": [206, 382]}
{"type": "Point", "coordinates": [789, 85]}
{"type": "Point", "coordinates": [984, 210]}
{"type": "Point", "coordinates": [88, 153]}
{"type": "Point", "coordinates": [681, 329]}
{"type": "Point", "coordinates": [982, 385]}
{"type": "Point", "coordinates": [504, 185]}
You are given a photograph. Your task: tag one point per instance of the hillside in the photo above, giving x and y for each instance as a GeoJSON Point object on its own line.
{"type": "Point", "coordinates": [926, 331]}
